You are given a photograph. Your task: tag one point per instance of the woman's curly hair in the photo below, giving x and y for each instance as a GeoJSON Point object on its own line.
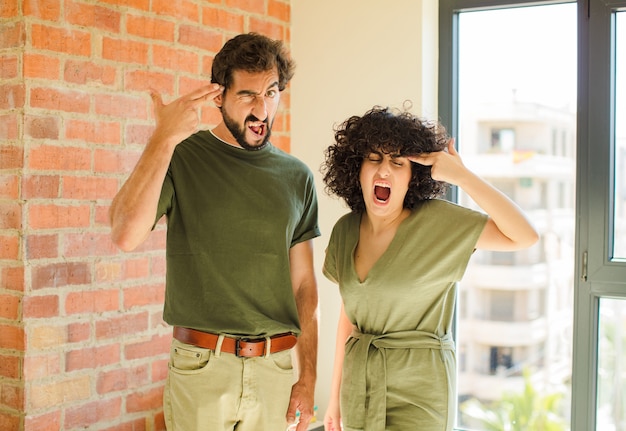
{"type": "Point", "coordinates": [381, 130]}
{"type": "Point", "coordinates": [252, 52]}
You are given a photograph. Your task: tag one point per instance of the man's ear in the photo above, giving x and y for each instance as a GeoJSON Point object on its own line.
{"type": "Point", "coordinates": [218, 100]}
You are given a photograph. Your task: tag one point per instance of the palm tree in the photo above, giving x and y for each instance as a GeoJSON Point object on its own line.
{"type": "Point", "coordinates": [525, 411]}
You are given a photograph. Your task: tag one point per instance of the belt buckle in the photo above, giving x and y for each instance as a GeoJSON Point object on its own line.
{"type": "Point", "coordinates": [238, 342]}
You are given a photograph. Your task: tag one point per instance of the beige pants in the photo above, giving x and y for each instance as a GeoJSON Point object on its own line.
{"type": "Point", "coordinates": [216, 391]}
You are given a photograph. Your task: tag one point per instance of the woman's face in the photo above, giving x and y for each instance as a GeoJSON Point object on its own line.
{"type": "Point", "coordinates": [384, 182]}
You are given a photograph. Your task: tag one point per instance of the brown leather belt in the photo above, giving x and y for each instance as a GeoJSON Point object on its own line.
{"type": "Point", "coordinates": [241, 347]}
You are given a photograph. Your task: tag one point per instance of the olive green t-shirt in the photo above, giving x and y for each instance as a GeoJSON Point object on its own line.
{"type": "Point", "coordinates": [232, 216]}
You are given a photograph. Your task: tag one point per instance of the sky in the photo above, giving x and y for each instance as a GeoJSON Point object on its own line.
{"type": "Point", "coordinates": [529, 50]}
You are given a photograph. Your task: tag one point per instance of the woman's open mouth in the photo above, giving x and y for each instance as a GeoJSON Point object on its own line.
{"type": "Point", "coordinates": [382, 191]}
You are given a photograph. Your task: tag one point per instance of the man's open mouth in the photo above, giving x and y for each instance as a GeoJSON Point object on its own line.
{"type": "Point", "coordinates": [258, 128]}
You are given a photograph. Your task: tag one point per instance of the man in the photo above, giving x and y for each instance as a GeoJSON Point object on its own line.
{"type": "Point", "coordinates": [241, 216]}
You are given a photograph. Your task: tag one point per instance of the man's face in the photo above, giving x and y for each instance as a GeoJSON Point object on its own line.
{"type": "Point", "coordinates": [249, 107]}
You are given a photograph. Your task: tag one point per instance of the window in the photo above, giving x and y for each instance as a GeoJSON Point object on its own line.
{"type": "Point", "coordinates": [515, 126]}
{"type": "Point", "coordinates": [567, 339]}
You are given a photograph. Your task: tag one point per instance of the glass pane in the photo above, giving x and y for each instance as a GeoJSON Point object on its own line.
{"type": "Point", "coordinates": [619, 235]}
{"type": "Point", "coordinates": [517, 129]}
{"type": "Point", "coordinates": [612, 366]}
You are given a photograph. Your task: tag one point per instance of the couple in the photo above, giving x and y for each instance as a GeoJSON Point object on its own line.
{"type": "Point", "coordinates": [241, 289]}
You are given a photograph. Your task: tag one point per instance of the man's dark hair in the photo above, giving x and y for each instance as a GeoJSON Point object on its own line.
{"type": "Point", "coordinates": [252, 52]}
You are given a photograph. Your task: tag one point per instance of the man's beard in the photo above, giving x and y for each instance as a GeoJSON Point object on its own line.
{"type": "Point", "coordinates": [239, 133]}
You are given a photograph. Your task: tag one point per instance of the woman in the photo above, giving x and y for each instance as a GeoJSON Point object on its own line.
{"type": "Point", "coordinates": [397, 257]}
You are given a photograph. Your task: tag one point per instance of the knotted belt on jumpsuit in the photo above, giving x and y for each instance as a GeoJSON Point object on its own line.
{"type": "Point", "coordinates": [376, 361]}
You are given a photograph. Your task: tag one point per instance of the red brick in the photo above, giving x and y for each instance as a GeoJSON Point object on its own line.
{"type": "Point", "coordinates": [63, 40]}
{"type": "Point", "coordinates": [160, 370]}
{"type": "Point", "coordinates": [207, 62]}
{"type": "Point", "coordinates": [10, 366]}
{"type": "Point", "coordinates": [60, 274]}
{"type": "Point", "coordinates": [138, 134]}
{"type": "Point", "coordinates": [88, 414]}
{"type": "Point", "coordinates": [87, 188]}
{"type": "Point", "coordinates": [135, 4]}
{"type": "Point", "coordinates": [115, 161]}
{"type": "Point", "coordinates": [93, 16]}
{"type": "Point", "coordinates": [107, 271]}
{"type": "Point", "coordinates": [41, 186]}
{"type": "Point", "coordinates": [150, 28]}
{"type": "Point", "coordinates": [279, 9]}
{"type": "Point", "coordinates": [46, 10]}
{"type": "Point", "coordinates": [128, 324]}
{"type": "Point", "coordinates": [140, 424]}
{"type": "Point", "coordinates": [124, 51]}
{"type": "Point", "coordinates": [84, 72]}
{"type": "Point", "coordinates": [145, 401]}
{"type": "Point", "coordinates": [157, 345]}
{"type": "Point", "coordinates": [92, 357]}
{"type": "Point", "coordinates": [8, 66]}
{"type": "Point", "coordinates": [88, 244]}
{"type": "Point", "coordinates": [41, 306]}
{"type": "Point", "coordinates": [158, 265]}
{"type": "Point", "coordinates": [10, 421]}
{"type": "Point", "coordinates": [97, 132]}
{"type": "Point", "coordinates": [270, 29]}
{"type": "Point", "coordinates": [42, 66]}
{"type": "Point", "coordinates": [9, 186]}
{"type": "Point", "coordinates": [41, 366]}
{"type": "Point", "coordinates": [216, 17]}
{"type": "Point", "coordinates": [253, 6]}
{"type": "Point", "coordinates": [8, 9]}
{"type": "Point", "coordinates": [12, 395]}
{"type": "Point", "coordinates": [50, 394]}
{"type": "Point", "coordinates": [10, 215]}
{"type": "Point", "coordinates": [138, 267]}
{"type": "Point", "coordinates": [60, 100]}
{"type": "Point", "coordinates": [142, 80]}
{"type": "Point", "coordinates": [11, 337]}
{"type": "Point", "coordinates": [77, 332]}
{"type": "Point", "coordinates": [42, 246]}
{"type": "Point", "coordinates": [12, 35]}
{"type": "Point", "coordinates": [12, 278]}
{"type": "Point", "coordinates": [12, 96]}
{"type": "Point", "coordinates": [121, 106]}
{"type": "Point", "coordinates": [122, 379]}
{"type": "Point", "coordinates": [44, 422]}
{"type": "Point", "coordinates": [92, 301]}
{"type": "Point", "coordinates": [102, 216]}
{"type": "Point", "coordinates": [8, 128]}
{"type": "Point", "coordinates": [144, 295]}
{"type": "Point", "coordinates": [9, 307]}
{"type": "Point", "coordinates": [56, 158]}
{"type": "Point", "coordinates": [53, 216]}
{"type": "Point", "coordinates": [181, 9]}
{"type": "Point", "coordinates": [199, 37]}
{"type": "Point", "coordinates": [11, 157]}
{"type": "Point", "coordinates": [42, 127]}
{"type": "Point", "coordinates": [9, 246]}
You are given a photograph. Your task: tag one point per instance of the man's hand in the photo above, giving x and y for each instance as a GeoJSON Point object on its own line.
{"type": "Point", "coordinates": [180, 119]}
{"type": "Point", "coordinates": [302, 400]}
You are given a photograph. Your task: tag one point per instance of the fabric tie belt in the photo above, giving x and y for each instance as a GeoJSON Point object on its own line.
{"type": "Point", "coordinates": [374, 363]}
{"type": "Point", "coordinates": [241, 347]}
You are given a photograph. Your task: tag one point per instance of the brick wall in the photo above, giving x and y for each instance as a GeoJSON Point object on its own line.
{"type": "Point", "coordinates": [82, 342]}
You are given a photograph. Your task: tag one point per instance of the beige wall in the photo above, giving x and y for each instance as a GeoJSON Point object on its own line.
{"type": "Point", "coordinates": [352, 55]}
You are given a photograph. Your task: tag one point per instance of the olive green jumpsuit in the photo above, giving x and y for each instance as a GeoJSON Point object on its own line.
{"type": "Point", "coordinates": [399, 367]}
